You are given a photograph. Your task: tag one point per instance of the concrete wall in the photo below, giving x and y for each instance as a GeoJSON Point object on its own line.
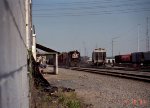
{"type": "Point", "coordinates": [13, 55]}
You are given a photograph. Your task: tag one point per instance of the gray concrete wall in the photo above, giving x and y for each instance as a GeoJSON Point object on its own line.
{"type": "Point", "coordinates": [13, 53]}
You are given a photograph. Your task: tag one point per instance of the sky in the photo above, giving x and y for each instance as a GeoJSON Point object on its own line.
{"type": "Point", "coordinates": [84, 25]}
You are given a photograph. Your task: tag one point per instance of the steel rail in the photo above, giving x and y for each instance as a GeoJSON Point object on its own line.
{"type": "Point", "coordinates": [142, 76]}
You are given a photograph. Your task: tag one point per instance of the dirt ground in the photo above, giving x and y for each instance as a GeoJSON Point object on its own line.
{"type": "Point", "coordinates": [103, 91]}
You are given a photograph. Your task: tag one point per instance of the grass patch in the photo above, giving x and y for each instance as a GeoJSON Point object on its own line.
{"type": "Point", "coordinates": [60, 99]}
{"type": "Point", "coordinates": [69, 100]}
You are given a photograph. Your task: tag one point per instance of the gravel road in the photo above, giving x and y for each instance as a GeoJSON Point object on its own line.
{"type": "Point", "coordinates": [104, 91]}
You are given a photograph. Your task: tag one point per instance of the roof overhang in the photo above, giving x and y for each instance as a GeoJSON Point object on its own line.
{"type": "Point", "coordinates": [47, 50]}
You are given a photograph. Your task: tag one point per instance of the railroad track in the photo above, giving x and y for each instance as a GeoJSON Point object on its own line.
{"type": "Point", "coordinates": [114, 68]}
{"type": "Point", "coordinates": [143, 69]}
{"type": "Point", "coordinates": [142, 76]}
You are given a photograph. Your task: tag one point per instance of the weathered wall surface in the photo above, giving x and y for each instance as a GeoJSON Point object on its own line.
{"type": "Point", "coordinates": [13, 55]}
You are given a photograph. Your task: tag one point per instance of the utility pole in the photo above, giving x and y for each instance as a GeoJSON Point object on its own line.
{"type": "Point", "coordinates": [96, 46]}
{"type": "Point", "coordinates": [147, 37]}
{"type": "Point", "coordinates": [84, 47]}
{"type": "Point", "coordinates": [138, 38]}
{"type": "Point", "coordinates": [113, 45]}
{"type": "Point", "coordinates": [85, 51]}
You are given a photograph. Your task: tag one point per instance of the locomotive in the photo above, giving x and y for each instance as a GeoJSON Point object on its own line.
{"type": "Point", "coordinates": [72, 58]}
{"type": "Point", "coordinates": [99, 56]}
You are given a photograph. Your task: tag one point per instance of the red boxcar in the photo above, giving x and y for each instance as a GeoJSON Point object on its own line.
{"type": "Point", "coordinates": [62, 58]}
{"type": "Point", "coordinates": [126, 58]}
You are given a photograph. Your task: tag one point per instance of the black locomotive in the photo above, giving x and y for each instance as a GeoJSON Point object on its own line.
{"type": "Point", "coordinates": [72, 58]}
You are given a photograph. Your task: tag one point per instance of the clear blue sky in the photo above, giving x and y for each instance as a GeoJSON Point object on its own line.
{"type": "Point", "coordinates": [66, 25]}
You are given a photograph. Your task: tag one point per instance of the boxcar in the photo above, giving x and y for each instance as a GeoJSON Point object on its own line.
{"type": "Point", "coordinates": [125, 58]}
{"type": "Point", "coordinates": [137, 57]}
{"type": "Point", "coordinates": [146, 58]}
{"type": "Point", "coordinates": [62, 59]}
{"type": "Point", "coordinates": [118, 59]}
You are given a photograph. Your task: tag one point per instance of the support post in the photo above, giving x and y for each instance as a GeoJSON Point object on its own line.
{"type": "Point", "coordinates": [56, 64]}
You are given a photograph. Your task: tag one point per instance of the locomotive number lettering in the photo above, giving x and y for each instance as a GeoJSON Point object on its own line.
{"type": "Point", "coordinates": [75, 55]}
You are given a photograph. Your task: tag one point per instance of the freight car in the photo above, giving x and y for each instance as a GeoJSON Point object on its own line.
{"type": "Point", "coordinates": [62, 59]}
{"type": "Point", "coordinates": [136, 58]}
{"type": "Point", "coordinates": [146, 59]}
{"type": "Point", "coordinates": [99, 56]}
{"type": "Point", "coordinates": [123, 58]}
{"type": "Point", "coordinates": [71, 58]}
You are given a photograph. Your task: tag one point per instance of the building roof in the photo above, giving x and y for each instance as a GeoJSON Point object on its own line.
{"type": "Point", "coordinates": [46, 49]}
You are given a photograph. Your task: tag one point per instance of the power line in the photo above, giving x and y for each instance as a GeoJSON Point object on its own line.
{"type": "Point", "coordinates": [92, 7]}
{"type": "Point", "coordinates": [92, 10]}
{"type": "Point", "coordinates": [87, 2]}
{"type": "Point", "coordinates": [129, 9]}
{"type": "Point", "coordinates": [90, 13]}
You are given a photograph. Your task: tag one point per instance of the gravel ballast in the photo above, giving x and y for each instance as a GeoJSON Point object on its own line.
{"type": "Point", "coordinates": [104, 91]}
